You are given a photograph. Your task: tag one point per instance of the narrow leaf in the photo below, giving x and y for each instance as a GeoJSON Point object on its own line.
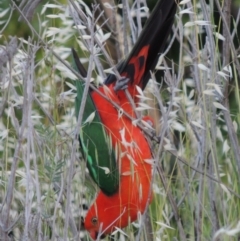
{"type": "Point", "coordinates": [90, 118]}
{"type": "Point", "coordinates": [106, 169]}
{"type": "Point", "coordinates": [219, 36]}
{"type": "Point", "coordinates": [164, 225]}
{"type": "Point", "coordinates": [219, 106]}
{"type": "Point", "coordinates": [184, 2]}
{"type": "Point", "coordinates": [197, 124]}
{"type": "Point", "coordinates": [203, 67]}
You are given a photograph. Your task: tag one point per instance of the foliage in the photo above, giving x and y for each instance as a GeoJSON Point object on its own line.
{"type": "Point", "coordinates": [45, 187]}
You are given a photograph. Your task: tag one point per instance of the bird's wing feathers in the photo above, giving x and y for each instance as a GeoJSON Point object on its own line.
{"type": "Point", "coordinates": [95, 143]}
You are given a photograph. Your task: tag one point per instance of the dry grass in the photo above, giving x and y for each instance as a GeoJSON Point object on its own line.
{"type": "Point", "coordinates": [45, 188]}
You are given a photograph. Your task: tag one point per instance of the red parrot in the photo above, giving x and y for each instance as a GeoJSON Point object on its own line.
{"type": "Point", "coordinates": [119, 207]}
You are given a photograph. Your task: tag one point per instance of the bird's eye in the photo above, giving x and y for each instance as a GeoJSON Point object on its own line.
{"type": "Point", "coordinates": [94, 220]}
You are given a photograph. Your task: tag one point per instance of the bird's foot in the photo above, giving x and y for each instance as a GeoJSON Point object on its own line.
{"type": "Point", "coordinates": [121, 84]}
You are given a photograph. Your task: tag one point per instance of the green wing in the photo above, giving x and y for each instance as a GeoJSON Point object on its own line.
{"type": "Point", "coordinates": [95, 144]}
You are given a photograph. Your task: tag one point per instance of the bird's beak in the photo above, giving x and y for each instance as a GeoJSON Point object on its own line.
{"type": "Point", "coordinates": [103, 236]}
{"type": "Point", "coordinates": [94, 235]}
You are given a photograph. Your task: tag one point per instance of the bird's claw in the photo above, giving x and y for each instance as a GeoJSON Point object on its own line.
{"type": "Point", "coordinates": [121, 84]}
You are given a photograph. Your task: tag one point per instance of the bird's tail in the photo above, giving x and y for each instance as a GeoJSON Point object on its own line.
{"type": "Point", "coordinates": [150, 44]}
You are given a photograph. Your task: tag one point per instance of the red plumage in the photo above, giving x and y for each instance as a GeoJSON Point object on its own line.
{"type": "Point", "coordinates": [134, 153]}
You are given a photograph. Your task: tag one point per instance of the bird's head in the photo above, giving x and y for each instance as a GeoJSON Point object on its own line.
{"type": "Point", "coordinates": [93, 225]}
{"type": "Point", "coordinates": [104, 215]}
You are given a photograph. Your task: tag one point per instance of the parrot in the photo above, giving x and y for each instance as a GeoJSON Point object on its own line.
{"type": "Point", "coordinates": [97, 152]}
{"type": "Point", "coordinates": [118, 155]}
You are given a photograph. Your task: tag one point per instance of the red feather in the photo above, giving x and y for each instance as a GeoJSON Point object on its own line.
{"type": "Point", "coordinates": [133, 150]}
{"type": "Point", "coordinates": [134, 153]}
{"type": "Point", "coordinates": [134, 191]}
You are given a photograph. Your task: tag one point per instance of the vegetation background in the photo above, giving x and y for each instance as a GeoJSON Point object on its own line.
{"type": "Point", "coordinates": [45, 188]}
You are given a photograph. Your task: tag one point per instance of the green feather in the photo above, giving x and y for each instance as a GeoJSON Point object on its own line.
{"type": "Point", "coordinates": [95, 144]}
